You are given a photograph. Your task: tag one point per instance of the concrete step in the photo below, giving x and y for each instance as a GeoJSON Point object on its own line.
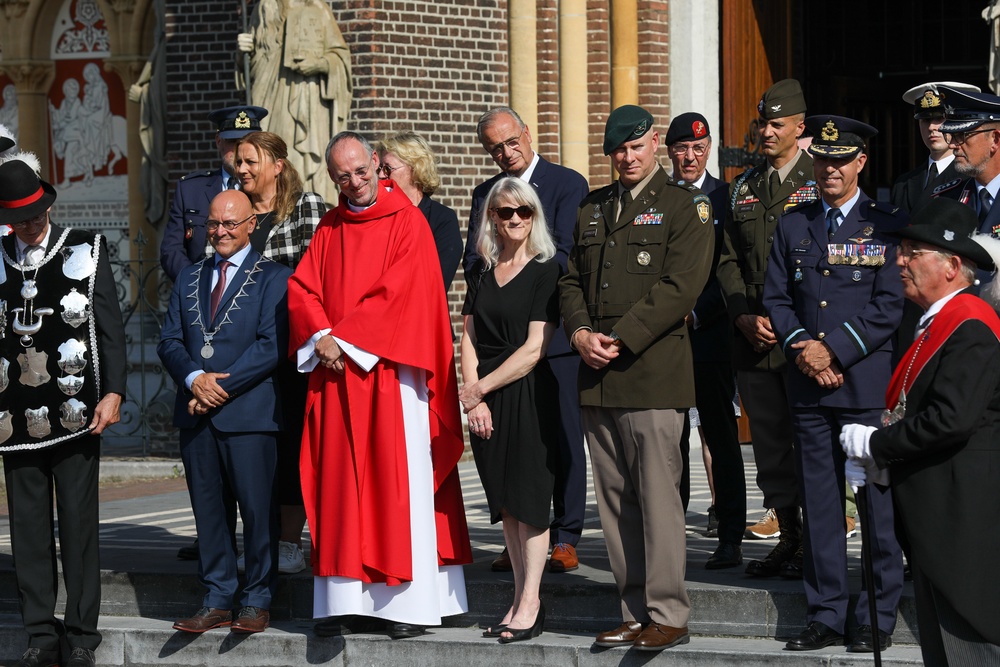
{"type": "Point", "coordinates": [140, 642]}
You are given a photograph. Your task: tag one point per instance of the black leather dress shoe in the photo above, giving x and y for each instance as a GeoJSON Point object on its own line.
{"type": "Point", "coordinates": [404, 630]}
{"type": "Point", "coordinates": [863, 642]}
{"type": "Point", "coordinates": [792, 568]}
{"type": "Point", "coordinates": [814, 637]}
{"type": "Point", "coordinates": [39, 657]}
{"type": "Point", "coordinates": [726, 555]}
{"type": "Point", "coordinates": [190, 552]}
{"type": "Point", "coordinates": [770, 566]}
{"type": "Point", "coordinates": [81, 657]}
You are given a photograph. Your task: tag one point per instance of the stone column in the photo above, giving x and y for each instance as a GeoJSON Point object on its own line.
{"type": "Point", "coordinates": [695, 79]}
{"type": "Point", "coordinates": [573, 137]}
{"type": "Point", "coordinates": [624, 52]}
{"type": "Point", "coordinates": [523, 29]}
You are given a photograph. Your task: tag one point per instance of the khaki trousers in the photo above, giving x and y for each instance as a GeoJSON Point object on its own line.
{"type": "Point", "coordinates": [636, 459]}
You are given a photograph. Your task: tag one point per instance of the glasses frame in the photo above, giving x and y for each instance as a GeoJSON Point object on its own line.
{"type": "Point", "coordinates": [386, 171]}
{"type": "Point", "coordinates": [950, 136]}
{"type": "Point", "coordinates": [507, 212]}
{"type": "Point", "coordinates": [513, 144]}
{"type": "Point", "coordinates": [213, 225]}
{"type": "Point", "coordinates": [345, 179]}
{"type": "Point", "coordinates": [916, 252]}
{"type": "Point", "coordinates": [699, 151]}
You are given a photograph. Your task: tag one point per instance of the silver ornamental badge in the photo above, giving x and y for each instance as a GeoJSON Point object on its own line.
{"type": "Point", "coordinates": [78, 262]}
{"type": "Point", "coordinates": [32, 362]}
{"type": "Point", "coordinates": [4, 374]}
{"type": "Point", "coordinates": [38, 422]}
{"type": "Point", "coordinates": [6, 427]}
{"type": "Point", "coordinates": [71, 415]}
{"type": "Point", "coordinates": [70, 384]}
{"type": "Point", "coordinates": [74, 308]}
{"type": "Point", "coordinates": [72, 357]}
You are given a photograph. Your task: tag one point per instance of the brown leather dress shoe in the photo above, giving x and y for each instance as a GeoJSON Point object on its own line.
{"type": "Point", "coordinates": [563, 558]}
{"type": "Point", "coordinates": [502, 563]}
{"type": "Point", "coordinates": [251, 620]}
{"type": "Point", "coordinates": [205, 619]}
{"type": "Point", "coordinates": [657, 637]}
{"type": "Point", "coordinates": [624, 635]}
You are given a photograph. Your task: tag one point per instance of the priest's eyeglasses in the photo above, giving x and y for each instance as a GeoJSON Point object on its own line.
{"type": "Point", "coordinates": [507, 212]}
{"type": "Point", "coordinates": [228, 225]}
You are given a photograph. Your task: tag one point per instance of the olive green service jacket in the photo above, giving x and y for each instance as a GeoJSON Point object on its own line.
{"type": "Point", "coordinates": [639, 277]}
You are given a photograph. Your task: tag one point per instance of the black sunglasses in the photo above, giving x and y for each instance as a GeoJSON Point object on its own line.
{"type": "Point", "coordinates": [506, 212]}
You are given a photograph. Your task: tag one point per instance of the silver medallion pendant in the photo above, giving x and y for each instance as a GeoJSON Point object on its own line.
{"type": "Point", "coordinates": [207, 351]}
{"type": "Point", "coordinates": [70, 384]}
{"type": "Point", "coordinates": [29, 290]}
{"type": "Point", "coordinates": [74, 308]}
{"type": "Point", "coordinates": [71, 415]}
{"type": "Point", "coordinates": [32, 362]}
{"type": "Point", "coordinates": [890, 417]}
{"type": "Point", "coordinates": [78, 261]}
{"type": "Point", "coordinates": [4, 374]}
{"type": "Point", "coordinates": [72, 357]}
{"type": "Point", "coordinates": [6, 426]}
{"type": "Point", "coordinates": [38, 422]}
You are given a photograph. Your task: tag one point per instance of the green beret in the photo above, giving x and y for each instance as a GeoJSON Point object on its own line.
{"type": "Point", "coordinates": [782, 99]}
{"type": "Point", "coordinates": [626, 123]}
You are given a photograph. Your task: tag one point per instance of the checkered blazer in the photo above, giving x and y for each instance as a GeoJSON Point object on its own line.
{"type": "Point", "coordinates": [289, 238]}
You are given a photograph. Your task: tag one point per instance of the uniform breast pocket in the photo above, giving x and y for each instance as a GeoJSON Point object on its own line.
{"type": "Point", "coordinates": [589, 251]}
{"type": "Point", "coordinates": [647, 248]}
{"type": "Point", "coordinates": [744, 218]}
{"type": "Point", "coordinates": [801, 263]}
{"type": "Point", "coordinates": [193, 218]}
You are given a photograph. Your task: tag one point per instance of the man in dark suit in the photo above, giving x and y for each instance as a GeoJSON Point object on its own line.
{"type": "Point", "coordinates": [184, 237]}
{"type": "Point", "coordinates": [835, 298]}
{"type": "Point", "coordinates": [62, 381]}
{"type": "Point", "coordinates": [757, 198]}
{"type": "Point", "coordinates": [224, 334]}
{"type": "Point", "coordinates": [508, 141]}
{"type": "Point", "coordinates": [939, 446]}
{"type": "Point", "coordinates": [689, 142]}
{"type": "Point", "coordinates": [642, 255]}
{"type": "Point", "coordinates": [913, 189]}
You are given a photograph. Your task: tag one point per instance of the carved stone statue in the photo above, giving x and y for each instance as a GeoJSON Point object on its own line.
{"type": "Point", "coordinates": [300, 69]}
{"type": "Point", "coordinates": [150, 92]}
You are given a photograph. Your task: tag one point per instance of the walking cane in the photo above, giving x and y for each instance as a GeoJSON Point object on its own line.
{"type": "Point", "coordinates": [861, 496]}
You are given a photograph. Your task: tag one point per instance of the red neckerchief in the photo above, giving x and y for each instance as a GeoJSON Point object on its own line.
{"type": "Point", "coordinates": [960, 309]}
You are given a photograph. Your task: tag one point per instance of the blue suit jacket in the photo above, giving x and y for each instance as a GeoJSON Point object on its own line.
{"type": "Point", "coordinates": [248, 347]}
{"type": "Point", "coordinates": [561, 190]}
{"type": "Point", "coordinates": [854, 308]}
{"type": "Point", "coordinates": [183, 241]}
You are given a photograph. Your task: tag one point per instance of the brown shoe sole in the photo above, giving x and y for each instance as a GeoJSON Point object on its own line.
{"type": "Point", "coordinates": [198, 631]}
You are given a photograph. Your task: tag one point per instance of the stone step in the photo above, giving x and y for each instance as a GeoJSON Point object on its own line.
{"type": "Point", "coordinates": [141, 642]}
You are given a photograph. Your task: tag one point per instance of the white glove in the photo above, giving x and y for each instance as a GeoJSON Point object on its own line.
{"type": "Point", "coordinates": [244, 42]}
{"type": "Point", "coordinates": [855, 473]}
{"type": "Point", "coordinates": [854, 439]}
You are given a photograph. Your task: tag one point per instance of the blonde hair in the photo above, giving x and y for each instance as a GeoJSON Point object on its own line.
{"type": "Point", "coordinates": [415, 153]}
{"type": "Point", "coordinates": [289, 183]}
{"type": "Point", "coordinates": [539, 244]}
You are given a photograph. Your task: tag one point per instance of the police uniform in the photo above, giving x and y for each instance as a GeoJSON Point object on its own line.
{"type": "Point", "coordinates": [184, 237]}
{"type": "Point", "coordinates": [751, 219]}
{"type": "Point", "coordinates": [635, 275]}
{"type": "Point", "coordinates": [844, 290]}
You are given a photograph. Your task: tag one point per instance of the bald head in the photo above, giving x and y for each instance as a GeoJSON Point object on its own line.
{"type": "Point", "coordinates": [230, 208]}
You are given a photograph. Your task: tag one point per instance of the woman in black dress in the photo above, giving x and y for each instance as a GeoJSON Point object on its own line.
{"type": "Point", "coordinates": [511, 312]}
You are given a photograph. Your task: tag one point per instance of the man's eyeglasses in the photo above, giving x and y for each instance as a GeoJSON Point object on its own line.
{"type": "Point", "coordinates": [37, 220]}
{"type": "Point", "coordinates": [959, 138]}
{"type": "Point", "coordinates": [513, 144]}
{"type": "Point", "coordinates": [228, 225]}
{"type": "Point", "coordinates": [681, 149]}
{"type": "Point", "coordinates": [507, 212]}
{"type": "Point", "coordinates": [345, 179]}
{"type": "Point", "coordinates": [909, 253]}
{"type": "Point", "coordinates": [386, 170]}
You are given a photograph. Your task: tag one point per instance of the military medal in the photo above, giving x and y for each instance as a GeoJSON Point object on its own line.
{"type": "Point", "coordinates": [643, 258]}
{"type": "Point", "coordinates": [798, 275]}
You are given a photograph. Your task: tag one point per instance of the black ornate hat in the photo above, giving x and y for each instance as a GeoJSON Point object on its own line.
{"type": "Point", "coordinates": [837, 137]}
{"type": "Point", "coordinates": [23, 195]}
{"type": "Point", "coordinates": [237, 122]}
{"type": "Point", "coordinates": [966, 111]}
{"type": "Point", "coordinates": [949, 225]}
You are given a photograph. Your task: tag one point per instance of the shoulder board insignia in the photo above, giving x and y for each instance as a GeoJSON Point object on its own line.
{"type": "Point", "coordinates": [796, 205]}
{"type": "Point", "coordinates": [883, 207]}
{"type": "Point", "coordinates": [946, 186]}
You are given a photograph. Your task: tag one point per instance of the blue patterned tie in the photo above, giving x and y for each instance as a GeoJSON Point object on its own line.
{"type": "Point", "coordinates": [832, 221]}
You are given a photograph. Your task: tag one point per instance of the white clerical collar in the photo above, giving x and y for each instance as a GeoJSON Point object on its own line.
{"type": "Point", "coordinates": [22, 247]}
{"type": "Point", "coordinates": [846, 207]}
{"type": "Point", "coordinates": [526, 176]}
{"type": "Point", "coordinates": [936, 307]}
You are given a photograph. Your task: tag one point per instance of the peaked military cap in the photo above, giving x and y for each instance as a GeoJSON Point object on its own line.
{"type": "Point", "coordinates": [949, 225]}
{"type": "Point", "coordinates": [838, 137]}
{"type": "Point", "coordinates": [689, 126]}
{"type": "Point", "coordinates": [784, 98]}
{"type": "Point", "coordinates": [626, 123]}
{"type": "Point", "coordinates": [965, 111]}
{"type": "Point", "coordinates": [237, 122]}
{"type": "Point", "coordinates": [926, 98]}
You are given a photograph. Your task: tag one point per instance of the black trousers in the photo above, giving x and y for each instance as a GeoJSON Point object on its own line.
{"type": "Point", "coordinates": [71, 469]}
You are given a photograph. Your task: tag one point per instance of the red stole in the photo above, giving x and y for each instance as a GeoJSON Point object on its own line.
{"type": "Point", "coordinates": [961, 308]}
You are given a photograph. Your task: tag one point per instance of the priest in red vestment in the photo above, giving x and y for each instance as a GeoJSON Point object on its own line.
{"type": "Point", "coordinates": [383, 435]}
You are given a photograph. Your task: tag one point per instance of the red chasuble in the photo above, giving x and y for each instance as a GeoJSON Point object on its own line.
{"type": "Point", "coordinates": [373, 278]}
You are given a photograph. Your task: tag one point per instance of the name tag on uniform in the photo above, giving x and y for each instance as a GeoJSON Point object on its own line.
{"type": "Point", "coordinates": [648, 219]}
{"type": "Point", "coordinates": [854, 254]}
{"type": "Point", "coordinates": [587, 233]}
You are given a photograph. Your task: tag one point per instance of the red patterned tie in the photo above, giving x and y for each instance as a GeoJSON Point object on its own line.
{"type": "Point", "coordinates": [220, 288]}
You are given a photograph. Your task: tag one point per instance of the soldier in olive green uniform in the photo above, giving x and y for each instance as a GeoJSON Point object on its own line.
{"type": "Point", "coordinates": [757, 198]}
{"type": "Point", "coordinates": [642, 254]}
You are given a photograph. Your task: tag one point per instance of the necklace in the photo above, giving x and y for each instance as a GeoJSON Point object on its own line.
{"type": "Point", "coordinates": [28, 319]}
{"type": "Point", "coordinates": [890, 417]}
{"type": "Point", "coordinates": [207, 351]}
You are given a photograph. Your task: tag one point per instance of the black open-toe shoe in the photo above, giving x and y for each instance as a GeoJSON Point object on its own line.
{"type": "Point", "coordinates": [494, 630]}
{"type": "Point", "coordinates": [526, 633]}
